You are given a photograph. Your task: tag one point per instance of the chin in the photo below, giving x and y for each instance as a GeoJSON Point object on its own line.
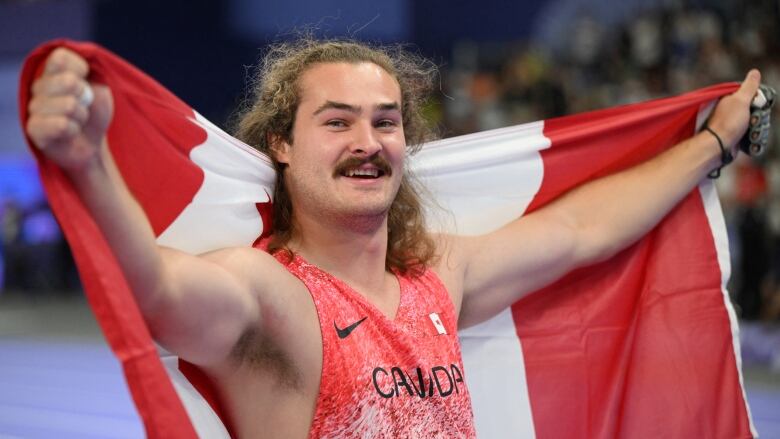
{"type": "Point", "coordinates": [374, 209]}
{"type": "Point", "coordinates": [367, 209]}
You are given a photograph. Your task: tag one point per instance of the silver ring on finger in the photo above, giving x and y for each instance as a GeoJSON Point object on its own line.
{"type": "Point", "coordinates": [87, 96]}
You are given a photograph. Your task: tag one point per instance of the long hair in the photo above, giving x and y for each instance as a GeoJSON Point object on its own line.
{"type": "Point", "coordinates": [270, 114]}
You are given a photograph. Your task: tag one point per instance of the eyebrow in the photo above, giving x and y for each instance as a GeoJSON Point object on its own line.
{"type": "Point", "coordinates": [354, 109]}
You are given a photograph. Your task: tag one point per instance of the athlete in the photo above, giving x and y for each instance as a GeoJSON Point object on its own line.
{"type": "Point", "coordinates": [346, 326]}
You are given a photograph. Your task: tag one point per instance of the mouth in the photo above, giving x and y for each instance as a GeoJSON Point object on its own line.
{"type": "Point", "coordinates": [369, 173]}
{"type": "Point", "coordinates": [363, 169]}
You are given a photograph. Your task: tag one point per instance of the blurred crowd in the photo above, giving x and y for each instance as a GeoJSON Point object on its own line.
{"type": "Point", "coordinates": [662, 52]}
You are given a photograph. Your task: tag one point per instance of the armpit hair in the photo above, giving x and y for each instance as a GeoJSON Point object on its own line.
{"type": "Point", "coordinates": [258, 351]}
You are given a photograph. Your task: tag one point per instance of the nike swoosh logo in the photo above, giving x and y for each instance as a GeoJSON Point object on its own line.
{"type": "Point", "coordinates": [344, 333]}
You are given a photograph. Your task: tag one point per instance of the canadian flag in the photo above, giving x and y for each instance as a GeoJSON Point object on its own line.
{"type": "Point", "coordinates": [438, 326]}
{"type": "Point", "coordinates": [642, 346]}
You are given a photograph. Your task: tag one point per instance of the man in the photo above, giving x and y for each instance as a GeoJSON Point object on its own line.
{"type": "Point", "coordinates": [348, 326]}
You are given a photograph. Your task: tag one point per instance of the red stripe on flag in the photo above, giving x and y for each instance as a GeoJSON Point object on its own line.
{"type": "Point", "coordinates": [590, 145]}
{"type": "Point", "coordinates": [109, 296]}
{"type": "Point", "coordinates": [631, 347]}
{"type": "Point", "coordinates": [208, 390]}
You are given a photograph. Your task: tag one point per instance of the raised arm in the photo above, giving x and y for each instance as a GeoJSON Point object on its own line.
{"type": "Point", "coordinates": [592, 222]}
{"type": "Point", "coordinates": [197, 307]}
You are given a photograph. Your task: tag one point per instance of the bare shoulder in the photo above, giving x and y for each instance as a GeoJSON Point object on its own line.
{"type": "Point", "coordinates": [247, 262]}
{"type": "Point", "coordinates": [264, 276]}
{"type": "Point", "coordinates": [452, 252]}
{"type": "Point", "coordinates": [450, 263]}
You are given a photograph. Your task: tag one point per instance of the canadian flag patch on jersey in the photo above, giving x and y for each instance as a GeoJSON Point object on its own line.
{"type": "Point", "coordinates": [438, 325]}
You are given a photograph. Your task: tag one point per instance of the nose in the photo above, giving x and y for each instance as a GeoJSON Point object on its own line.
{"type": "Point", "coordinates": [366, 141]}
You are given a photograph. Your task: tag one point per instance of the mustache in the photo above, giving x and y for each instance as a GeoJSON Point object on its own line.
{"type": "Point", "coordinates": [355, 162]}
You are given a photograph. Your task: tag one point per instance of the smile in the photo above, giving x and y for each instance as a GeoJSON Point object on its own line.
{"type": "Point", "coordinates": [363, 168]}
{"type": "Point", "coordinates": [364, 173]}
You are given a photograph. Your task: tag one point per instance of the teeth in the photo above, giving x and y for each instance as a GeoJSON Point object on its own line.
{"type": "Point", "coordinates": [363, 173]}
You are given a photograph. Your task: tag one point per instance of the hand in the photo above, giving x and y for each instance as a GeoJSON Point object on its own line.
{"type": "Point", "coordinates": [732, 114]}
{"type": "Point", "coordinates": [67, 128]}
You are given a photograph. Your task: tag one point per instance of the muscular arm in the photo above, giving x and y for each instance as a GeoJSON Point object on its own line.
{"type": "Point", "coordinates": [197, 307]}
{"type": "Point", "coordinates": [593, 222]}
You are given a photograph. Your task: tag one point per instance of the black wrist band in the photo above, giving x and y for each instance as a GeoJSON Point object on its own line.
{"type": "Point", "coordinates": [725, 154]}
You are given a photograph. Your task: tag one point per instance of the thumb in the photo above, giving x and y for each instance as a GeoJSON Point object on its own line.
{"type": "Point", "coordinates": [749, 86]}
{"type": "Point", "coordinates": [100, 113]}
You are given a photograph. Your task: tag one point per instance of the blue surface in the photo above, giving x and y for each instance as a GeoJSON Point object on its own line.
{"type": "Point", "coordinates": [765, 408]}
{"type": "Point", "coordinates": [63, 390]}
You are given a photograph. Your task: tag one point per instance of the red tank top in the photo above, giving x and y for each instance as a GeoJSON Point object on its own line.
{"type": "Point", "coordinates": [382, 378]}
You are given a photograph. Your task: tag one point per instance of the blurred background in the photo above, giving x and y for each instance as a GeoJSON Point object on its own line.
{"type": "Point", "coordinates": [502, 63]}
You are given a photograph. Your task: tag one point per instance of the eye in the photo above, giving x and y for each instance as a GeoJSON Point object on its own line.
{"type": "Point", "coordinates": [336, 123]}
{"type": "Point", "coordinates": [386, 123]}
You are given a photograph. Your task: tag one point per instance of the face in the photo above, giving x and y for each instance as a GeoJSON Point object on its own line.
{"type": "Point", "coordinates": [348, 147]}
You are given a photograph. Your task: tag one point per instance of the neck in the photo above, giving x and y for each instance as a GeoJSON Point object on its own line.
{"type": "Point", "coordinates": [353, 249]}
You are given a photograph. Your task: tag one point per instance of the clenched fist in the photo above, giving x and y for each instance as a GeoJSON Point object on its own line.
{"type": "Point", "coordinates": [731, 115]}
{"type": "Point", "coordinates": [68, 118]}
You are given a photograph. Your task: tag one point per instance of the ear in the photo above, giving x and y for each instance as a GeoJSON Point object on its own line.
{"type": "Point", "coordinates": [280, 149]}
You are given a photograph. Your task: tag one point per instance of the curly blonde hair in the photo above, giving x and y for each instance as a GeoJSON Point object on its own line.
{"type": "Point", "coordinates": [270, 114]}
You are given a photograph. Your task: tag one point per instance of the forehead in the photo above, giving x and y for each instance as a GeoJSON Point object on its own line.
{"type": "Point", "coordinates": [349, 83]}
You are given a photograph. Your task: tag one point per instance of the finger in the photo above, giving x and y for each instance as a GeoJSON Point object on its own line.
{"type": "Point", "coordinates": [68, 106]}
{"type": "Point", "coordinates": [47, 130]}
{"type": "Point", "coordinates": [62, 59]}
{"type": "Point", "coordinates": [64, 83]}
{"type": "Point", "coordinates": [750, 85]}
